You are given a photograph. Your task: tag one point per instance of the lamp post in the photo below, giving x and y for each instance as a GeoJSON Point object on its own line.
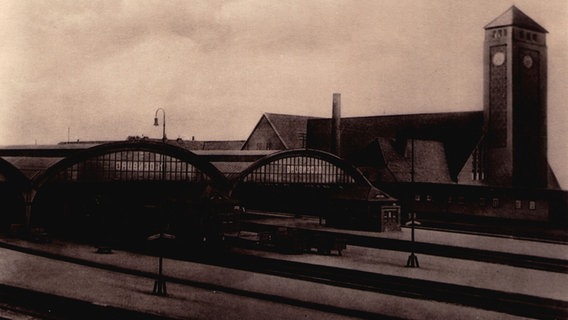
{"type": "Point", "coordinates": [412, 261]}
{"type": "Point", "coordinates": [164, 138]}
{"type": "Point", "coordinates": [160, 284]}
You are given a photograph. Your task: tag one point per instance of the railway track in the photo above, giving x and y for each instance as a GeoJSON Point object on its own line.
{"type": "Point", "coordinates": [487, 299]}
{"type": "Point", "coordinates": [504, 258]}
{"type": "Point", "coordinates": [540, 233]}
{"type": "Point", "coordinates": [18, 303]}
{"type": "Point", "coordinates": [499, 301]}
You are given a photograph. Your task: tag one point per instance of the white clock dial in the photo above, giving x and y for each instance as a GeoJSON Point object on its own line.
{"type": "Point", "coordinates": [498, 58]}
{"type": "Point", "coordinates": [527, 61]}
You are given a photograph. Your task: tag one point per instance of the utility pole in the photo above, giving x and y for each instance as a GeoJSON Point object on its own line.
{"type": "Point", "coordinates": [412, 261]}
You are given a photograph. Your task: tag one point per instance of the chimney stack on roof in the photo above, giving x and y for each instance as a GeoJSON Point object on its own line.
{"type": "Point", "coordinates": [336, 125]}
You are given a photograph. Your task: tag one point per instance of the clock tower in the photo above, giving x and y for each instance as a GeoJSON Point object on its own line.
{"type": "Point", "coordinates": [515, 74]}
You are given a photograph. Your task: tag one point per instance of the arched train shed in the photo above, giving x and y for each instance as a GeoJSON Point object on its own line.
{"type": "Point", "coordinates": [126, 191]}
{"type": "Point", "coordinates": [316, 183]}
{"type": "Point", "coordinates": [13, 186]}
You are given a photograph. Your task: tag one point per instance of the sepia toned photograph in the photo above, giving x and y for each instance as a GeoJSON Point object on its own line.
{"type": "Point", "coordinates": [262, 159]}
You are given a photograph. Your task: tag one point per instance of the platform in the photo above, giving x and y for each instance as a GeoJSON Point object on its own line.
{"type": "Point", "coordinates": [211, 292]}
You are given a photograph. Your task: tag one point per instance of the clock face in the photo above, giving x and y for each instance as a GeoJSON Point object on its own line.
{"type": "Point", "coordinates": [498, 58]}
{"type": "Point", "coordinates": [527, 61]}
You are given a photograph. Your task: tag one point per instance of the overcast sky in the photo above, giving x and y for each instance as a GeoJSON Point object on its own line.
{"type": "Point", "coordinates": [98, 70]}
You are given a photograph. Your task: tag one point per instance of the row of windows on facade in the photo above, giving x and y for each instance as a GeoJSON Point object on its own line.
{"type": "Point", "coordinates": [302, 137]}
{"type": "Point", "coordinates": [495, 202]}
{"type": "Point", "coordinates": [263, 146]}
{"type": "Point", "coordinates": [499, 33]}
{"type": "Point", "coordinates": [478, 164]}
{"type": "Point", "coordinates": [299, 170]}
{"type": "Point", "coordinates": [132, 166]}
{"type": "Point", "coordinates": [521, 34]}
{"type": "Point", "coordinates": [527, 35]}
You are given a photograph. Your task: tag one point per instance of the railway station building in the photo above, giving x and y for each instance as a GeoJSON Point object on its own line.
{"type": "Point", "coordinates": [489, 165]}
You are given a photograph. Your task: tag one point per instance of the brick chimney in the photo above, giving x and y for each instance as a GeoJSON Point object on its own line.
{"type": "Point", "coordinates": [336, 125]}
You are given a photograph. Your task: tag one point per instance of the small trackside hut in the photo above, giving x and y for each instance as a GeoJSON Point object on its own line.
{"type": "Point", "coordinates": [364, 208]}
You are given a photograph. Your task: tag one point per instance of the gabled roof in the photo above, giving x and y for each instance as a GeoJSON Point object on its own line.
{"type": "Point", "coordinates": [392, 160]}
{"type": "Point", "coordinates": [457, 131]}
{"type": "Point", "coordinates": [32, 167]}
{"type": "Point", "coordinates": [231, 169]}
{"type": "Point", "coordinates": [430, 164]}
{"type": "Point", "coordinates": [289, 128]}
{"type": "Point", "coordinates": [552, 180]}
{"type": "Point", "coordinates": [517, 18]}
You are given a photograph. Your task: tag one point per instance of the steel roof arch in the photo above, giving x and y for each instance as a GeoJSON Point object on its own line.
{"type": "Point", "coordinates": [218, 180]}
{"type": "Point", "coordinates": [318, 154]}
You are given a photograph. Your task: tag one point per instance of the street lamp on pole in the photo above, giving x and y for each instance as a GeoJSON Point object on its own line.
{"type": "Point", "coordinates": [160, 283]}
{"type": "Point", "coordinates": [164, 138]}
{"type": "Point", "coordinates": [412, 261]}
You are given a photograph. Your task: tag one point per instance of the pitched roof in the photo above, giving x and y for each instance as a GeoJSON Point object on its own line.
{"type": "Point", "coordinates": [231, 169]}
{"type": "Point", "coordinates": [208, 145]}
{"type": "Point", "coordinates": [552, 180]}
{"type": "Point", "coordinates": [289, 128]}
{"type": "Point", "coordinates": [392, 160]}
{"type": "Point", "coordinates": [32, 167]}
{"type": "Point", "coordinates": [517, 18]}
{"type": "Point", "coordinates": [430, 163]}
{"type": "Point", "coordinates": [457, 131]}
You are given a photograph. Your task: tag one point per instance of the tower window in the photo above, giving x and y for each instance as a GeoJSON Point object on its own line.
{"type": "Point", "coordinates": [518, 204]}
{"type": "Point", "coordinates": [534, 37]}
{"type": "Point", "coordinates": [499, 33]}
{"type": "Point", "coordinates": [532, 205]}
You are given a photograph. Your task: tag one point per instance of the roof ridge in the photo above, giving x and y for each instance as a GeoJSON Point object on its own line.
{"type": "Point", "coordinates": [411, 114]}
{"type": "Point", "coordinates": [276, 130]}
{"type": "Point", "coordinates": [288, 115]}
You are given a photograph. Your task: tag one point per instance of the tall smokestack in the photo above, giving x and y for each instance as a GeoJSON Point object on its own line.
{"type": "Point", "coordinates": [336, 125]}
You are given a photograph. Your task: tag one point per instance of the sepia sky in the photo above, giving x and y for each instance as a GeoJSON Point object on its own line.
{"type": "Point", "coordinates": [98, 70]}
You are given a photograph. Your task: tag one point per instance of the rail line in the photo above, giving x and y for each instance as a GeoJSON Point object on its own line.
{"type": "Point", "coordinates": [19, 303]}
{"type": "Point", "coordinates": [511, 303]}
{"type": "Point", "coordinates": [504, 258]}
{"type": "Point", "coordinates": [488, 299]}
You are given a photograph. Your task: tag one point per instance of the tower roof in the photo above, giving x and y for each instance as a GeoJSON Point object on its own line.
{"type": "Point", "coordinates": [517, 18]}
